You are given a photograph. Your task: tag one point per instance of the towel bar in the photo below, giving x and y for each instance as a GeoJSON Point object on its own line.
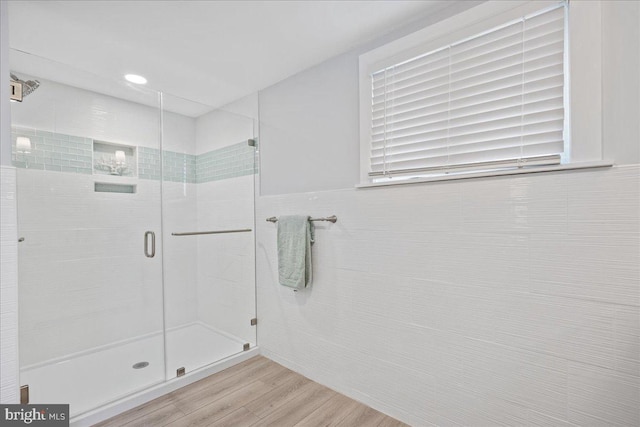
{"type": "Point", "coordinates": [331, 218]}
{"type": "Point", "coordinates": [196, 233]}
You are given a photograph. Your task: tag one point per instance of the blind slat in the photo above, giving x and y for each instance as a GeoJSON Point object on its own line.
{"type": "Point", "coordinates": [445, 119]}
{"type": "Point", "coordinates": [426, 138]}
{"type": "Point", "coordinates": [487, 101]}
{"type": "Point", "coordinates": [480, 105]}
{"type": "Point", "coordinates": [535, 80]}
{"type": "Point", "coordinates": [418, 152]}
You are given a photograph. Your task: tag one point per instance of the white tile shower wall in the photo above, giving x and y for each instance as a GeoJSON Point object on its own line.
{"type": "Point", "coordinates": [226, 267]}
{"type": "Point", "coordinates": [220, 129]}
{"type": "Point", "coordinates": [84, 280]}
{"type": "Point", "coordinates": [64, 109]}
{"type": "Point", "coordinates": [180, 261]}
{"type": "Point", "coordinates": [480, 302]}
{"type": "Point", "coordinates": [180, 253]}
{"type": "Point", "coordinates": [8, 287]}
{"type": "Point", "coordinates": [225, 197]}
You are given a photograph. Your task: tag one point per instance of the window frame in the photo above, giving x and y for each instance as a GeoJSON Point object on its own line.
{"type": "Point", "coordinates": [583, 65]}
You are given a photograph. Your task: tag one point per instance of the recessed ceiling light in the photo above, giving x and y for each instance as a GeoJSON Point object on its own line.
{"type": "Point", "coordinates": [134, 78]}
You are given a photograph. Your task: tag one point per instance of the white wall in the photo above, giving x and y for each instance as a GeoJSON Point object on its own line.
{"type": "Point", "coordinates": [510, 300]}
{"type": "Point", "coordinates": [179, 214]}
{"type": "Point", "coordinates": [180, 253]}
{"type": "Point", "coordinates": [219, 128]}
{"type": "Point", "coordinates": [226, 262]}
{"type": "Point", "coordinates": [247, 107]}
{"type": "Point", "coordinates": [308, 124]}
{"type": "Point", "coordinates": [479, 302]}
{"type": "Point", "coordinates": [8, 234]}
{"type": "Point", "coordinates": [620, 82]}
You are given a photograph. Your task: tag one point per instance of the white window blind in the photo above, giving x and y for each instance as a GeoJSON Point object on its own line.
{"type": "Point", "coordinates": [492, 101]}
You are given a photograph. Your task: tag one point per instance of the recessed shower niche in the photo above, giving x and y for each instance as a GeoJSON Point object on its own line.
{"type": "Point", "coordinates": [114, 159]}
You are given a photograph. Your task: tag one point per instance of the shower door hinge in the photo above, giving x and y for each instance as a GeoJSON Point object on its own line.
{"type": "Point", "coordinates": [24, 394]}
{"type": "Point", "coordinates": [180, 372]}
{"type": "Point", "coordinates": [16, 91]}
{"type": "Point", "coordinates": [254, 321]}
{"type": "Point", "coordinates": [246, 347]}
{"type": "Point", "coordinates": [251, 142]}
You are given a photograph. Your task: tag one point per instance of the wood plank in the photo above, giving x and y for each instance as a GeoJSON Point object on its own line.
{"type": "Point", "coordinates": [331, 412]}
{"type": "Point", "coordinates": [184, 392]}
{"type": "Point", "coordinates": [362, 416]}
{"type": "Point", "coordinates": [214, 411]}
{"type": "Point", "coordinates": [213, 391]}
{"type": "Point", "coordinates": [279, 375]}
{"type": "Point", "coordinates": [241, 417]}
{"type": "Point", "coordinates": [159, 418]}
{"type": "Point", "coordinates": [137, 412]}
{"type": "Point", "coordinates": [307, 399]}
{"type": "Point", "coordinates": [257, 392]}
{"type": "Point", "coordinates": [248, 367]}
{"type": "Point", "coordinates": [287, 390]}
{"type": "Point", "coordinates": [391, 422]}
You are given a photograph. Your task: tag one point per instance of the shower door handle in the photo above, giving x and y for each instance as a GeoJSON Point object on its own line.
{"type": "Point", "coordinates": [153, 244]}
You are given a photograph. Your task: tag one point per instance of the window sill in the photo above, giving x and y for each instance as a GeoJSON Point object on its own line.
{"type": "Point", "coordinates": [585, 165]}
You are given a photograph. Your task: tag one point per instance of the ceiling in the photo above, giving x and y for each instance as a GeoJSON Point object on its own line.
{"type": "Point", "coordinates": [211, 52]}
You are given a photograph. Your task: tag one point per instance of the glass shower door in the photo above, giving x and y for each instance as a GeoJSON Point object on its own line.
{"type": "Point", "coordinates": [208, 216]}
{"type": "Point", "coordinates": [87, 152]}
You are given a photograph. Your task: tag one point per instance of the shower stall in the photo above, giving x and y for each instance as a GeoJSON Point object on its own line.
{"type": "Point", "coordinates": [136, 248]}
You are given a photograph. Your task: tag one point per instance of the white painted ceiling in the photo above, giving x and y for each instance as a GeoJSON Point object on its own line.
{"type": "Point", "coordinates": [212, 52]}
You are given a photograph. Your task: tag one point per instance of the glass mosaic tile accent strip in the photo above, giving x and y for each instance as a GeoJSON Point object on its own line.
{"type": "Point", "coordinates": [148, 163]}
{"type": "Point", "coordinates": [176, 167]}
{"type": "Point", "coordinates": [52, 151]}
{"type": "Point", "coordinates": [179, 167]}
{"type": "Point", "coordinates": [67, 153]}
{"type": "Point", "coordinates": [227, 162]}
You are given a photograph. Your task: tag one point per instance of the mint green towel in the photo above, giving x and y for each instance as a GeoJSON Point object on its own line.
{"type": "Point", "coordinates": [295, 236]}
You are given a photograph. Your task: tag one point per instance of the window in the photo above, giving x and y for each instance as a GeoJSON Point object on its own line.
{"type": "Point", "coordinates": [492, 100]}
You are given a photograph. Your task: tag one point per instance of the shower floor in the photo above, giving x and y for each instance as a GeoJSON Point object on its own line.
{"type": "Point", "coordinates": [96, 378]}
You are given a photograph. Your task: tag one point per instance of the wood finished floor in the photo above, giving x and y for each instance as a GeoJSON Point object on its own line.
{"type": "Point", "coordinates": [257, 392]}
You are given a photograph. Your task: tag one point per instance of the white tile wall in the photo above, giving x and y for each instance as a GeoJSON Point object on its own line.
{"type": "Point", "coordinates": [73, 111]}
{"type": "Point", "coordinates": [482, 302]}
{"type": "Point", "coordinates": [84, 279]}
{"type": "Point", "coordinates": [226, 262]}
{"type": "Point", "coordinates": [180, 253]}
{"type": "Point", "coordinates": [8, 287]}
{"type": "Point", "coordinates": [220, 128]}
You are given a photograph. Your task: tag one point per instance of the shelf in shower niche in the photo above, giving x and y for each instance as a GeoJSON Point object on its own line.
{"type": "Point", "coordinates": [109, 187]}
{"type": "Point", "coordinates": [110, 158]}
